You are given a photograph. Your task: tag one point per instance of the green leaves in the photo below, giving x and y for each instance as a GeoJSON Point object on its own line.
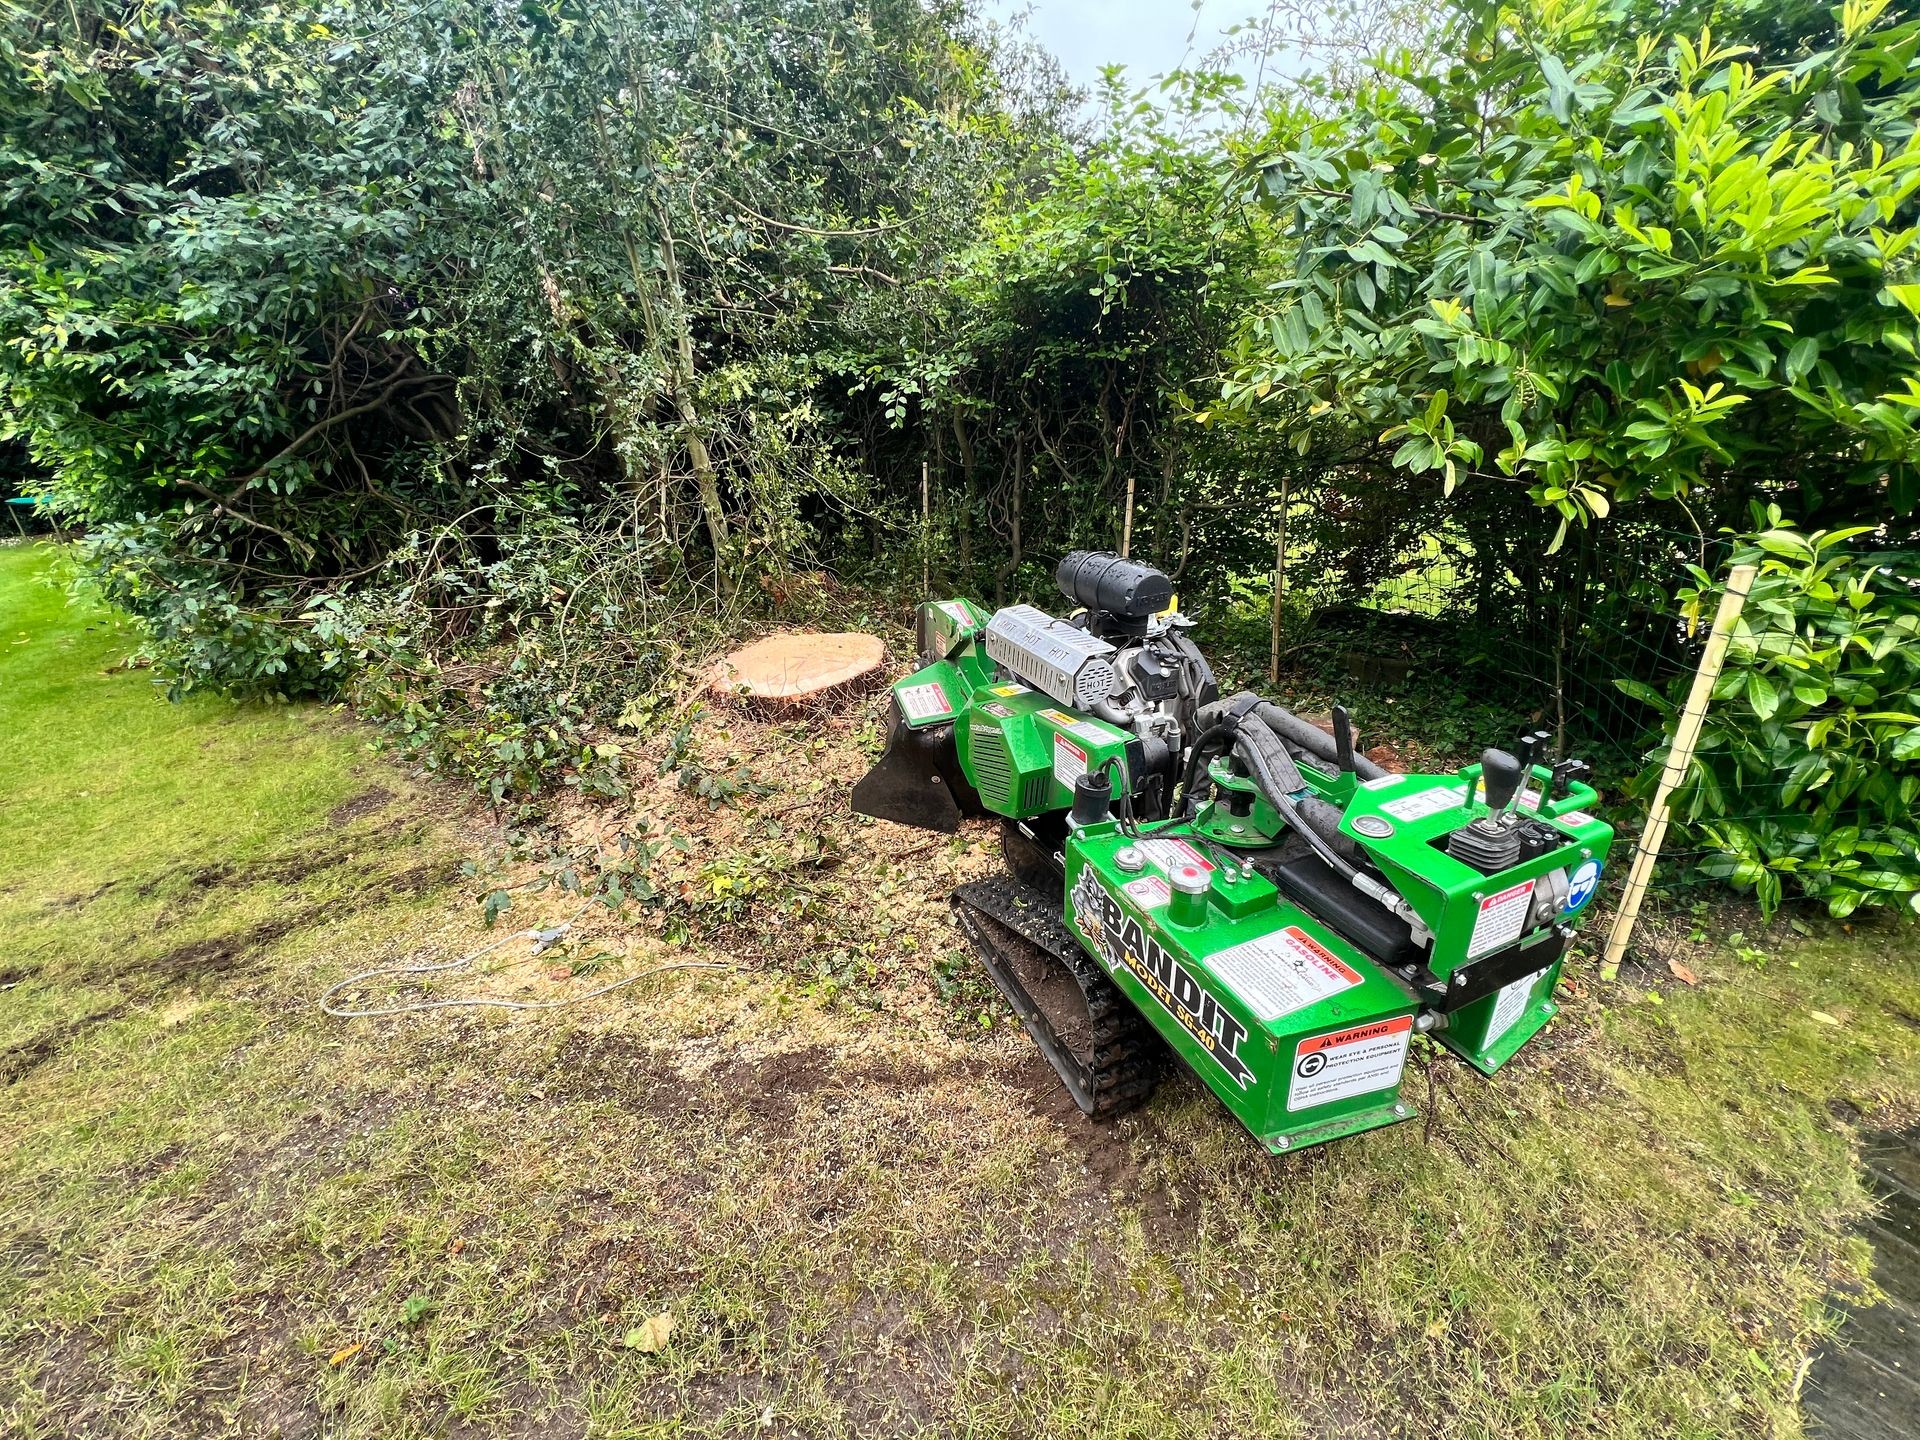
{"type": "Point", "coordinates": [1805, 741]}
{"type": "Point", "coordinates": [1717, 289]}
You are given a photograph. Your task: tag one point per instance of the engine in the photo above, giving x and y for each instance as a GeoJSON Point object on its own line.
{"type": "Point", "coordinates": [1124, 655]}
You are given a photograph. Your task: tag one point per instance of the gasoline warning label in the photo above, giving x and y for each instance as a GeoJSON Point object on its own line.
{"type": "Point", "coordinates": [1501, 920]}
{"type": "Point", "coordinates": [923, 702]}
{"type": "Point", "coordinates": [1423, 803]}
{"type": "Point", "coordinates": [1172, 855]}
{"type": "Point", "coordinates": [1509, 1004]}
{"type": "Point", "coordinates": [1283, 971]}
{"type": "Point", "coordinates": [1069, 761]}
{"type": "Point", "coordinates": [1346, 1063]}
{"type": "Point", "coordinates": [1148, 892]}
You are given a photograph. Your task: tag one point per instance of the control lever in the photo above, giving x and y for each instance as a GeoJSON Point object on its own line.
{"type": "Point", "coordinates": [1533, 746]}
{"type": "Point", "coordinates": [1565, 773]}
{"type": "Point", "coordinates": [1502, 775]}
{"type": "Point", "coordinates": [1343, 739]}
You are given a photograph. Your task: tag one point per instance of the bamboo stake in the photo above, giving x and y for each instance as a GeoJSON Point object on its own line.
{"type": "Point", "coordinates": [1126, 527]}
{"type": "Point", "coordinates": [1279, 584]}
{"type": "Point", "coordinates": [1686, 735]}
{"type": "Point", "coordinates": [926, 531]}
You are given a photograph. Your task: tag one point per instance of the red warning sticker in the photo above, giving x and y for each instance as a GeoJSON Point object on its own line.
{"type": "Point", "coordinates": [1357, 1061]}
{"type": "Point", "coordinates": [926, 701]}
{"type": "Point", "coordinates": [1501, 920]}
{"type": "Point", "coordinates": [1170, 855]}
{"type": "Point", "coordinates": [1069, 761]}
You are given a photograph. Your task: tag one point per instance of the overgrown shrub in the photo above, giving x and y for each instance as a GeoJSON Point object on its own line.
{"type": "Point", "coordinates": [1809, 760]}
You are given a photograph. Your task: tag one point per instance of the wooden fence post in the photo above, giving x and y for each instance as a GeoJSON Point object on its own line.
{"type": "Point", "coordinates": [1686, 735]}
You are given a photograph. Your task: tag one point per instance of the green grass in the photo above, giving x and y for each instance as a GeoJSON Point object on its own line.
{"type": "Point", "coordinates": [864, 1218]}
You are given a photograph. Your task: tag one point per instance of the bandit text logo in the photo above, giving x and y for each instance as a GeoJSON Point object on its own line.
{"type": "Point", "coordinates": [1118, 938]}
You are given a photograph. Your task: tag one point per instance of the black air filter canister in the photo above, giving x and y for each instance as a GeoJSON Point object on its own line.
{"type": "Point", "coordinates": [1103, 582]}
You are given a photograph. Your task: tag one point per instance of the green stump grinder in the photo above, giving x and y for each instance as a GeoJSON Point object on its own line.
{"type": "Point", "coordinates": [1220, 878]}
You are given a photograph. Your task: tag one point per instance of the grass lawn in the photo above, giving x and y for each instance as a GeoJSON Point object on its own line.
{"type": "Point", "coordinates": [865, 1210]}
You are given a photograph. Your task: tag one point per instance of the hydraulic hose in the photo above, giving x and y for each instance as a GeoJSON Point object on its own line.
{"type": "Point", "coordinates": [1295, 731]}
{"type": "Point", "coordinates": [1314, 813]}
{"type": "Point", "coordinates": [1289, 808]}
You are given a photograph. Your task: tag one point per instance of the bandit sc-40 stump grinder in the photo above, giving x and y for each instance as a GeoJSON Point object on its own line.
{"type": "Point", "coordinates": [1221, 878]}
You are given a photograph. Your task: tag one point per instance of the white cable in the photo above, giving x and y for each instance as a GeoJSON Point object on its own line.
{"type": "Point", "coordinates": [543, 940]}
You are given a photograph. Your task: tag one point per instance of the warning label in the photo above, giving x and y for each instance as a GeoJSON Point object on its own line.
{"type": "Point", "coordinates": [923, 702]}
{"type": "Point", "coordinates": [1281, 972]}
{"type": "Point", "coordinates": [957, 613]}
{"type": "Point", "coordinates": [1509, 1004]}
{"type": "Point", "coordinates": [1148, 891]}
{"type": "Point", "coordinates": [1502, 919]}
{"type": "Point", "coordinates": [1382, 782]}
{"type": "Point", "coordinates": [1069, 761]}
{"type": "Point", "coordinates": [1091, 731]}
{"type": "Point", "coordinates": [1346, 1063]}
{"type": "Point", "coordinates": [1422, 803]}
{"type": "Point", "coordinates": [1009, 691]}
{"type": "Point", "coordinates": [1171, 855]}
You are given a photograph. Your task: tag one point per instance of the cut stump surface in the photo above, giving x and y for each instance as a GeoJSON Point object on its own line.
{"type": "Point", "coordinates": [794, 668]}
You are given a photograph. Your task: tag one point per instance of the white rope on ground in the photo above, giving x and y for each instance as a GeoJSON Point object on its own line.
{"type": "Point", "coordinates": [543, 940]}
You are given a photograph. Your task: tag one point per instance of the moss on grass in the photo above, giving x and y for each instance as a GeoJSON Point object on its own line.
{"type": "Point", "coordinates": [862, 1225]}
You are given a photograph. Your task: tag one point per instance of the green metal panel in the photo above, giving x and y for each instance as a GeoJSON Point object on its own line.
{"type": "Point", "coordinates": [1487, 1033]}
{"type": "Point", "coordinates": [944, 624]}
{"type": "Point", "coordinates": [1003, 754]}
{"type": "Point", "coordinates": [1299, 1035]}
{"type": "Point", "coordinates": [1471, 915]}
{"type": "Point", "coordinates": [1022, 752]}
{"type": "Point", "coordinates": [936, 695]}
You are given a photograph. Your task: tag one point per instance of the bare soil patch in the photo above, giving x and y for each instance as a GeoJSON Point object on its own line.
{"type": "Point", "coordinates": [368, 802]}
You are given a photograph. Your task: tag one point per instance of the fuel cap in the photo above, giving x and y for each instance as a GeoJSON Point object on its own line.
{"type": "Point", "coordinates": [1190, 879]}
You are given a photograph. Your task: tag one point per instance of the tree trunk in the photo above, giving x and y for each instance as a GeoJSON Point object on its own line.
{"type": "Point", "coordinates": [966, 489]}
{"type": "Point", "coordinates": [683, 376]}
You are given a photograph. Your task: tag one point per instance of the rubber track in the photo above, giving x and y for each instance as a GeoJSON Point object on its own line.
{"type": "Point", "coordinates": [1125, 1056]}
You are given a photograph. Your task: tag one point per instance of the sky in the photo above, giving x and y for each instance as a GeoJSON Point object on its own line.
{"type": "Point", "coordinates": [1149, 37]}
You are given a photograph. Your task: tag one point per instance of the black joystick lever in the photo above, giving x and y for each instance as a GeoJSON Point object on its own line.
{"type": "Point", "coordinates": [1492, 843]}
{"type": "Point", "coordinates": [1502, 774]}
{"type": "Point", "coordinates": [1565, 773]}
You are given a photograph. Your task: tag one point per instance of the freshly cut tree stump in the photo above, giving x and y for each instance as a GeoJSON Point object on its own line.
{"type": "Point", "coordinates": [796, 670]}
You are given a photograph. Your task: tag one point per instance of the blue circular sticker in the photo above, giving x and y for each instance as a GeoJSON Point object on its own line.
{"type": "Point", "coordinates": [1580, 888]}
